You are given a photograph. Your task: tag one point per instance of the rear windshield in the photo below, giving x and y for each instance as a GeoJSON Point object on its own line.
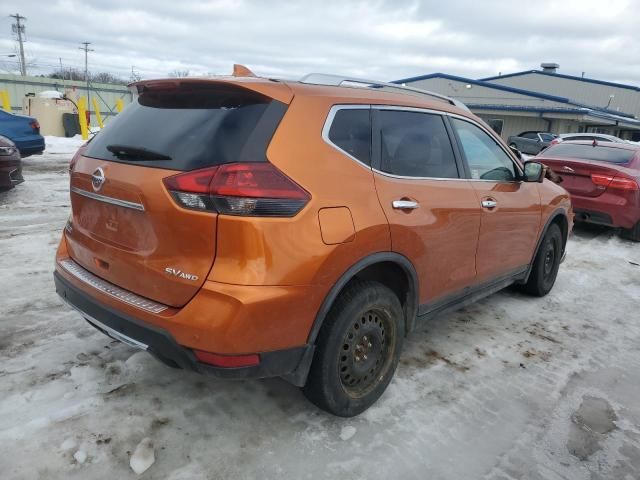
{"type": "Point", "coordinates": [547, 137]}
{"type": "Point", "coordinates": [190, 127]}
{"type": "Point", "coordinates": [589, 152]}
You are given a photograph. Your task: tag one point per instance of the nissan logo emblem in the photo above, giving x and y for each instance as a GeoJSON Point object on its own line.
{"type": "Point", "coordinates": [97, 179]}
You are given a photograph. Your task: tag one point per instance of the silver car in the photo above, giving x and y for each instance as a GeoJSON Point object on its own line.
{"type": "Point", "coordinates": [531, 142]}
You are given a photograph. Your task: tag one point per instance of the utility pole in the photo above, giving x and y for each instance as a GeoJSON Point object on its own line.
{"type": "Point", "coordinates": [18, 29]}
{"type": "Point", "coordinates": [86, 70]}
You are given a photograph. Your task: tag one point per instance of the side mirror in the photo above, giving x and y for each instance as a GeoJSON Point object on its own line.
{"type": "Point", "coordinates": [533, 172]}
{"type": "Point", "coordinates": [516, 152]}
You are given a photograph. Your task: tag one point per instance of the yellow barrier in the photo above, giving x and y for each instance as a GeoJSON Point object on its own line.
{"type": "Point", "coordinates": [96, 108]}
{"type": "Point", "coordinates": [6, 103]}
{"type": "Point", "coordinates": [82, 117]}
{"type": "Point", "coordinates": [119, 105]}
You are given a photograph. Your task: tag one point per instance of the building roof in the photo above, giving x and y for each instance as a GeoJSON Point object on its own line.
{"type": "Point", "coordinates": [561, 75]}
{"type": "Point", "coordinates": [520, 91]}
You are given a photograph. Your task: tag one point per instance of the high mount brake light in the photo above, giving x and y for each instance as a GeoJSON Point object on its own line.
{"type": "Point", "coordinates": [610, 181]}
{"type": "Point", "coordinates": [244, 189]}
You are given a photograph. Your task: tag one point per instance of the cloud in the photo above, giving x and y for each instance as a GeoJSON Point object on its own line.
{"type": "Point", "coordinates": [380, 39]}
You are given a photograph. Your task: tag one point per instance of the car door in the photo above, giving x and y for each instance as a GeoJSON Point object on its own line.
{"type": "Point", "coordinates": [530, 143]}
{"type": "Point", "coordinates": [511, 211]}
{"type": "Point", "coordinates": [433, 213]}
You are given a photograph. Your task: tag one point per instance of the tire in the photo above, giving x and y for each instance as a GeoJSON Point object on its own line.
{"type": "Point", "coordinates": [357, 350]}
{"type": "Point", "coordinates": [546, 264]}
{"type": "Point", "coordinates": [632, 234]}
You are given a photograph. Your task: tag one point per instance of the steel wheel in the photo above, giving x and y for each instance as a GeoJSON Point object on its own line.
{"type": "Point", "coordinates": [366, 351]}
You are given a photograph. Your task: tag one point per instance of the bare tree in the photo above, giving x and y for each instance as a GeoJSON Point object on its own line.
{"type": "Point", "coordinates": [76, 74]}
{"type": "Point", "coordinates": [179, 73]}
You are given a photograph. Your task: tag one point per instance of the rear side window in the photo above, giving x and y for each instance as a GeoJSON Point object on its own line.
{"type": "Point", "coordinates": [414, 144]}
{"type": "Point", "coordinates": [351, 132]}
{"type": "Point", "coordinates": [190, 127]}
{"type": "Point", "coordinates": [589, 152]}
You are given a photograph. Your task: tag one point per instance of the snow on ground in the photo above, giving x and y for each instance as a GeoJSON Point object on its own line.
{"type": "Point", "coordinates": [510, 388]}
{"type": "Point", "coordinates": [60, 146]}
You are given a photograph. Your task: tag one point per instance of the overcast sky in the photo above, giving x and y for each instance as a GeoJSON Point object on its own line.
{"type": "Point", "coordinates": [378, 39]}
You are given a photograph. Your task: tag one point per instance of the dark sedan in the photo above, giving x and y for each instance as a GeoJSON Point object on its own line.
{"type": "Point", "coordinates": [603, 180]}
{"type": "Point", "coordinates": [10, 164]}
{"type": "Point", "coordinates": [22, 130]}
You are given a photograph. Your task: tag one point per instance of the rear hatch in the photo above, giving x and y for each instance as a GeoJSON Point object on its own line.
{"type": "Point", "coordinates": [586, 170]}
{"type": "Point", "coordinates": [126, 226]}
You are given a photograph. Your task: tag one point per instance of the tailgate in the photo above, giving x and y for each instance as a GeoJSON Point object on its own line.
{"type": "Point", "coordinates": [132, 234]}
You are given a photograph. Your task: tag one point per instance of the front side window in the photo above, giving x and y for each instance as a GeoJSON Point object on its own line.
{"type": "Point", "coordinates": [351, 132]}
{"type": "Point", "coordinates": [415, 144]}
{"type": "Point", "coordinates": [487, 161]}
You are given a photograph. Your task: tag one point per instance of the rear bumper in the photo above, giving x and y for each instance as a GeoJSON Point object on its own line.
{"type": "Point", "coordinates": [608, 209]}
{"type": "Point", "coordinates": [292, 364]}
{"type": "Point", "coordinates": [30, 145]}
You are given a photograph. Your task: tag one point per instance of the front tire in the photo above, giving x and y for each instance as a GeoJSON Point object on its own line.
{"type": "Point", "coordinates": [546, 264]}
{"type": "Point", "coordinates": [358, 349]}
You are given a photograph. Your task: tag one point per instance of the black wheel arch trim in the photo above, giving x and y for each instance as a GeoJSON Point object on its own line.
{"type": "Point", "coordinates": [410, 306]}
{"type": "Point", "coordinates": [558, 212]}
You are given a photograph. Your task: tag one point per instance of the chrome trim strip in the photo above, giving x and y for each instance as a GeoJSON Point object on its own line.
{"type": "Point", "coordinates": [110, 289]}
{"type": "Point", "coordinates": [362, 106]}
{"type": "Point", "coordinates": [110, 200]}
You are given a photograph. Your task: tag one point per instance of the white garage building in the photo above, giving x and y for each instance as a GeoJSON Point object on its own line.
{"type": "Point", "coordinates": [543, 100]}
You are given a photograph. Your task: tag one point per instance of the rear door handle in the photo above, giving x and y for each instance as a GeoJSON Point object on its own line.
{"type": "Point", "coordinates": [489, 204]}
{"type": "Point", "coordinates": [404, 204]}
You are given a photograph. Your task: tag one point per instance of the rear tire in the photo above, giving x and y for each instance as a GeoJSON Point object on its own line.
{"type": "Point", "coordinates": [546, 264]}
{"type": "Point", "coordinates": [632, 234]}
{"type": "Point", "coordinates": [357, 350]}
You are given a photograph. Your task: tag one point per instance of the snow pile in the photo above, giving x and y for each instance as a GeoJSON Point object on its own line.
{"type": "Point", "coordinates": [62, 145]}
{"type": "Point", "coordinates": [143, 456]}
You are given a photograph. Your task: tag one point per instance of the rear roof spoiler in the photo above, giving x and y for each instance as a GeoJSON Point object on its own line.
{"type": "Point", "coordinates": [340, 81]}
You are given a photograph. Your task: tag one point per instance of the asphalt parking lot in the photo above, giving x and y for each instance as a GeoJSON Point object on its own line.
{"type": "Point", "coordinates": [510, 388]}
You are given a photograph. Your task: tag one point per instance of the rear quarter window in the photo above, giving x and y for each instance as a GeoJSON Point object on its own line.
{"type": "Point", "coordinates": [194, 126]}
{"type": "Point", "coordinates": [589, 152]}
{"type": "Point", "coordinates": [351, 132]}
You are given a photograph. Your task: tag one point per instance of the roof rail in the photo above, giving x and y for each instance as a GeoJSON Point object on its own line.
{"type": "Point", "coordinates": [340, 81]}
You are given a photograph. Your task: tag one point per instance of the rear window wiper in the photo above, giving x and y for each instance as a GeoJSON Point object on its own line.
{"type": "Point", "coordinates": [136, 153]}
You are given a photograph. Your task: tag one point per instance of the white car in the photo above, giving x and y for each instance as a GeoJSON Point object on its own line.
{"type": "Point", "coordinates": [598, 137]}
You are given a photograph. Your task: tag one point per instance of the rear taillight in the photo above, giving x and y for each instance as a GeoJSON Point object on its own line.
{"type": "Point", "coordinates": [554, 141]}
{"type": "Point", "coordinates": [35, 125]}
{"type": "Point", "coordinates": [227, 361]}
{"type": "Point", "coordinates": [245, 189]}
{"type": "Point", "coordinates": [610, 181]}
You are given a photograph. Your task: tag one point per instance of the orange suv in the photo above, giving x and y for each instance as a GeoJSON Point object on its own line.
{"type": "Point", "coordinates": [249, 227]}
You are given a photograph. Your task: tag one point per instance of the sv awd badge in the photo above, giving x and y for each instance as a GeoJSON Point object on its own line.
{"type": "Point", "coordinates": [180, 274]}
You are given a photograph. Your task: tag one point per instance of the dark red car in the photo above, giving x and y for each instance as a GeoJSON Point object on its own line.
{"type": "Point", "coordinates": [10, 164]}
{"type": "Point", "coordinates": [603, 180]}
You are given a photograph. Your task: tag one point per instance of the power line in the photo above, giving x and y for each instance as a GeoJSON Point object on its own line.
{"type": "Point", "coordinates": [19, 30]}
